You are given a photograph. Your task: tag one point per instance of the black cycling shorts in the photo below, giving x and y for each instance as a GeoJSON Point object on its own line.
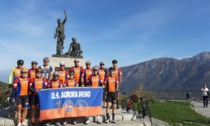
{"type": "Point", "coordinates": [111, 97]}
{"type": "Point", "coordinates": [35, 100]}
{"type": "Point", "coordinates": [23, 100]}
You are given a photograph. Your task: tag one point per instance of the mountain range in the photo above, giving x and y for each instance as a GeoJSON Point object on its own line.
{"type": "Point", "coordinates": [168, 73]}
{"type": "Point", "coordinates": [162, 74]}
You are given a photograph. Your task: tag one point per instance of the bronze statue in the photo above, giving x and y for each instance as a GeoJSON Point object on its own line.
{"type": "Point", "coordinates": [74, 49]}
{"type": "Point", "coordinates": [60, 35]}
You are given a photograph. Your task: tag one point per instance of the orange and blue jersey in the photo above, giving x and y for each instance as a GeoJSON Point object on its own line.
{"type": "Point", "coordinates": [55, 84]}
{"type": "Point", "coordinates": [14, 73]}
{"type": "Point", "coordinates": [118, 73]}
{"type": "Point", "coordinates": [37, 84]}
{"type": "Point", "coordinates": [103, 74]}
{"type": "Point", "coordinates": [87, 73]}
{"type": "Point", "coordinates": [71, 83]}
{"type": "Point", "coordinates": [21, 86]}
{"type": "Point", "coordinates": [95, 81]}
{"type": "Point", "coordinates": [77, 73]}
{"type": "Point", "coordinates": [63, 75]}
{"type": "Point", "coordinates": [111, 84]}
{"type": "Point", "coordinates": [32, 73]}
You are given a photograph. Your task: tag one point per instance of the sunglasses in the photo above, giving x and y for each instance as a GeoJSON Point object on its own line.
{"type": "Point", "coordinates": [46, 61]}
{"type": "Point", "coordinates": [101, 64]}
{"type": "Point", "coordinates": [20, 64]}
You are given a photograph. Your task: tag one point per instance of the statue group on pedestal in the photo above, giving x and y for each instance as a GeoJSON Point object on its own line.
{"type": "Point", "coordinates": [74, 48]}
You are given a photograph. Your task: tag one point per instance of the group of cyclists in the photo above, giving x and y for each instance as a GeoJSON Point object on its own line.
{"type": "Point", "coordinates": [26, 83]}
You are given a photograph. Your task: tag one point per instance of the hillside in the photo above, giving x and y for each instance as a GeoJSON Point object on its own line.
{"type": "Point", "coordinates": [3, 85]}
{"type": "Point", "coordinates": [168, 73]}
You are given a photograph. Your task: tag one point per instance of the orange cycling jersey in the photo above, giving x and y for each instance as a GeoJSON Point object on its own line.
{"type": "Point", "coordinates": [71, 83]}
{"type": "Point", "coordinates": [21, 85]}
{"type": "Point", "coordinates": [87, 74]}
{"type": "Point", "coordinates": [111, 84]}
{"type": "Point", "coordinates": [102, 74]}
{"type": "Point", "coordinates": [31, 73]}
{"type": "Point", "coordinates": [17, 72]}
{"type": "Point", "coordinates": [77, 73]}
{"type": "Point", "coordinates": [55, 84]}
{"type": "Point", "coordinates": [95, 81]}
{"type": "Point", "coordinates": [38, 83]}
{"type": "Point", "coordinates": [63, 75]}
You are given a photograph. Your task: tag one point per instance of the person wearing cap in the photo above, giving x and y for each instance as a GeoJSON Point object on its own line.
{"type": "Point", "coordinates": [95, 81]}
{"type": "Point", "coordinates": [46, 69]}
{"type": "Point", "coordinates": [87, 73]}
{"type": "Point", "coordinates": [55, 83]}
{"type": "Point", "coordinates": [15, 71]}
{"type": "Point", "coordinates": [71, 83]}
{"type": "Point", "coordinates": [78, 70]}
{"type": "Point", "coordinates": [111, 83]}
{"type": "Point", "coordinates": [118, 74]}
{"type": "Point", "coordinates": [63, 73]}
{"type": "Point", "coordinates": [31, 75]}
{"type": "Point", "coordinates": [103, 74]}
{"type": "Point", "coordinates": [21, 87]}
{"type": "Point", "coordinates": [14, 74]}
{"type": "Point", "coordinates": [36, 84]}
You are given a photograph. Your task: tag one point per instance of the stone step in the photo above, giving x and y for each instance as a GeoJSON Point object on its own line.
{"type": "Point", "coordinates": [6, 122]}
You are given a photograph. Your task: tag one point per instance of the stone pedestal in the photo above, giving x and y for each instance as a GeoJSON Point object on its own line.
{"type": "Point", "coordinates": [69, 62]}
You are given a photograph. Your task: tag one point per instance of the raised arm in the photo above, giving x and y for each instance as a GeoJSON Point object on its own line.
{"type": "Point", "coordinates": [64, 21]}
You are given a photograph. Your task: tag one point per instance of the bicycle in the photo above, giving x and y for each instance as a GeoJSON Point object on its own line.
{"type": "Point", "coordinates": [141, 109]}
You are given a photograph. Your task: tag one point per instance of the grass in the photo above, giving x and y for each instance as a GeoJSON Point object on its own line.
{"type": "Point", "coordinates": [178, 112]}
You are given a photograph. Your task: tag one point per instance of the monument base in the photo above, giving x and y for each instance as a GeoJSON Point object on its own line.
{"type": "Point", "coordinates": [69, 62]}
{"type": "Point", "coordinates": [67, 56]}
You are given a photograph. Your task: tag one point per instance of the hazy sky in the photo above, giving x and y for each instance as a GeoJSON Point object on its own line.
{"type": "Point", "coordinates": [130, 31]}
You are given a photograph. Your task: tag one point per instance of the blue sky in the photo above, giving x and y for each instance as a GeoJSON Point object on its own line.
{"type": "Point", "coordinates": [130, 31]}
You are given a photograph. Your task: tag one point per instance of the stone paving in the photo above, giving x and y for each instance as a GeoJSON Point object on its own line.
{"type": "Point", "coordinates": [198, 107]}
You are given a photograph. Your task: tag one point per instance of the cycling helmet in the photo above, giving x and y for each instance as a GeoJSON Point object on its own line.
{"type": "Point", "coordinates": [20, 61]}
{"type": "Point", "coordinates": [34, 62]}
{"type": "Point", "coordinates": [71, 72]}
{"type": "Point", "coordinates": [111, 69]}
{"type": "Point", "coordinates": [95, 68]}
{"type": "Point", "coordinates": [114, 61]}
{"type": "Point", "coordinates": [38, 70]}
{"type": "Point", "coordinates": [87, 62]}
{"type": "Point", "coordinates": [24, 69]}
{"type": "Point", "coordinates": [62, 63]}
{"type": "Point", "coordinates": [46, 58]}
{"type": "Point", "coordinates": [76, 60]}
{"type": "Point", "coordinates": [56, 74]}
{"type": "Point", "coordinates": [102, 63]}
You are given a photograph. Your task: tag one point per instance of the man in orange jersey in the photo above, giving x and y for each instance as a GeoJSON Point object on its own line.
{"type": "Point", "coordinates": [118, 74]}
{"type": "Point", "coordinates": [55, 83]}
{"type": "Point", "coordinates": [87, 73]}
{"type": "Point", "coordinates": [16, 71]}
{"type": "Point", "coordinates": [31, 75]}
{"type": "Point", "coordinates": [71, 82]}
{"type": "Point", "coordinates": [111, 84]}
{"type": "Point", "coordinates": [36, 84]}
{"type": "Point", "coordinates": [21, 86]}
{"type": "Point", "coordinates": [63, 73]}
{"type": "Point", "coordinates": [78, 72]}
{"type": "Point", "coordinates": [103, 74]}
{"type": "Point", "coordinates": [95, 81]}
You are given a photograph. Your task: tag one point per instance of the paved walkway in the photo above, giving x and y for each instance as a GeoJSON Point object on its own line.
{"type": "Point", "coordinates": [198, 107]}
